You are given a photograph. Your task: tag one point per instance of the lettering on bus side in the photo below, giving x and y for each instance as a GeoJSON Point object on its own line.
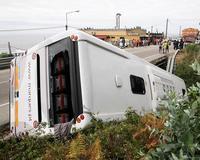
{"type": "Point", "coordinates": [29, 92]}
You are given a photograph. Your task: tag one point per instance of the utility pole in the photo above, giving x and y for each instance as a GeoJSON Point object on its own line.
{"type": "Point", "coordinates": [166, 28]}
{"type": "Point", "coordinates": [118, 15]}
{"type": "Point", "coordinates": [180, 31]}
{"type": "Point", "coordinates": [151, 29]}
{"type": "Point", "coordinates": [9, 48]}
{"type": "Point", "coordinates": [67, 17]}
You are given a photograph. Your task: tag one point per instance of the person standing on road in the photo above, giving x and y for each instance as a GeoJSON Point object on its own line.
{"type": "Point", "coordinates": [133, 42]}
{"type": "Point", "coordinates": [175, 43]}
{"type": "Point", "coordinates": [123, 41]}
{"type": "Point", "coordinates": [167, 46]}
{"type": "Point", "coordinates": [181, 43]}
{"type": "Point", "coordinates": [120, 43]}
{"type": "Point", "coordinates": [164, 46]}
{"type": "Point", "coordinates": [149, 42]}
{"type": "Point", "coordinates": [143, 42]}
{"type": "Point", "coordinates": [160, 47]}
{"type": "Point", "coordinates": [138, 42]}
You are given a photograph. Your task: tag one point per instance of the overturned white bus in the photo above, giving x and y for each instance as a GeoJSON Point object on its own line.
{"type": "Point", "coordinates": [73, 74]}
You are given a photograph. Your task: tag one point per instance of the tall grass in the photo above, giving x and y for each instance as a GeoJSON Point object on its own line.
{"type": "Point", "coordinates": [183, 69]}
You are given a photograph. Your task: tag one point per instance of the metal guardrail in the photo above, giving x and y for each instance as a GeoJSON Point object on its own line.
{"type": "Point", "coordinates": [5, 62]}
{"type": "Point", "coordinates": [171, 62]}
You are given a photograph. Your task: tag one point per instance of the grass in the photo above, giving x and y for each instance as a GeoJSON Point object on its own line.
{"type": "Point", "coordinates": [183, 62]}
{"type": "Point", "coordinates": [128, 139]}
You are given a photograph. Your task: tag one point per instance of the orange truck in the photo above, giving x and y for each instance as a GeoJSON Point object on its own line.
{"type": "Point", "coordinates": [190, 35]}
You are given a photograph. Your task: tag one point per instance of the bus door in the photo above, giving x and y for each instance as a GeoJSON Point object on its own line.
{"type": "Point", "coordinates": [66, 100]}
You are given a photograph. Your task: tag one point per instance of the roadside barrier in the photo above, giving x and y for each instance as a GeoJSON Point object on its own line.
{"type": "Point", "coordinates": [171, 65]}
{"type": "Point", "coordinates": [5, 62]}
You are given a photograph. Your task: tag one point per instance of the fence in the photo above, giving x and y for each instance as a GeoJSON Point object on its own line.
{"type": "Point", "coordinates": [5, 62]}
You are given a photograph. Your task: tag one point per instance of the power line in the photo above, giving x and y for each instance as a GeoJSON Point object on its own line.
{"type": "Point", "coordinates": [30, 29]}
{"type": "Point", "coordinates": [35, 29]}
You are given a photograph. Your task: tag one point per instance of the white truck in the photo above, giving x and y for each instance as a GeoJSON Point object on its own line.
{"type": "Point", "coordinates": [71, 75]}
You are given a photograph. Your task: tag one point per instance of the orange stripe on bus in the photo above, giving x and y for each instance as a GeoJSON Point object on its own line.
{"type": "Point", "coordinates": [16, 78]}
{"type": "Point", "coordinates": [16, 114]}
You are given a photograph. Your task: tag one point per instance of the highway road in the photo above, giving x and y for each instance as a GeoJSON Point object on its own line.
{"type": "Point", "coordinates": [4, 96]}
{"type": "Point", "coordinates": [149, 53]}
{"type": "Point", "coordinates": [144, 52]}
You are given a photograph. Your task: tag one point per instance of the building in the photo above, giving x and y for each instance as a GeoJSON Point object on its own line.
{"type": "Point", "coordinates": [114, 35]}
{"type": "Point", "coordinates": [154, 38]}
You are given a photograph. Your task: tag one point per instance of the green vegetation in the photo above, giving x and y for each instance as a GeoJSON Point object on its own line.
{"type": "Point", "coordinates": [181, 139]}
{"type": "Point", "coordinates": [109, 140]}
{"type": "Point", "coordinates": [186, 58]}
{"type": "Point", "coordinates": [4, 55]}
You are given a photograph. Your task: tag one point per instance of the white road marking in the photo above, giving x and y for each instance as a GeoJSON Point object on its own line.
{"type": "Point", "coordinates": [5, 104]}
{"type": "Point", "coordinates": [2, 82]}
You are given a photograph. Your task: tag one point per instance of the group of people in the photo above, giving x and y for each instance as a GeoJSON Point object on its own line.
{"type": "Point", "coordinates": [178, 44]}
{"type": "Point", "coordinates": [134, 43]}
{"type": "Point", "coordinates": [164, 46]}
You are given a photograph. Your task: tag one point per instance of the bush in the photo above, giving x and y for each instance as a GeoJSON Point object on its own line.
{"type": "Point", "coordinates": [116, 137]}
{"type": "Point", "coordinates": [4, 55]}
{"type": "Point", "coordinates": [189, 55]}
{"type": "Point", "coordinates": [110, 140]}
{"type": "Point", "coordinates": [181, 138]}
{"type": "Point", "coordinates": [24, 148]}
{"type": "Point", "coordinates": [184, 71]}
{"type": "Point", "coordinates": [128, 139]}
{"type": "Point", "coordinates": [192, 49]}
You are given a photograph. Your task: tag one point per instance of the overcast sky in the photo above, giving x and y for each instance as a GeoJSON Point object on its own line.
{"type": "Point", "coordinates": [16, 14]}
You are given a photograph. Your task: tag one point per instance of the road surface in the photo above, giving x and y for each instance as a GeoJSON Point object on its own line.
{"type": "Point", "coordinates": [4, 96]}
{"type": "Point", "coordinates": [149, 53]}
{"type": "Point", "coordinates": [144, 52]}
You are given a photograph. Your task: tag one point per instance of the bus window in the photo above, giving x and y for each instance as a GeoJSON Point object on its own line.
{"type": "Point", "coordinates": [137, 85]}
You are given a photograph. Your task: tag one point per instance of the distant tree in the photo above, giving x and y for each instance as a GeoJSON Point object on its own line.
{"type": "Point", "coordinates": [5, 54]}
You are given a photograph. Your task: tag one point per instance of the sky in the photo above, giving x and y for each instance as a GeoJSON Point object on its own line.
{"type": "Point", "coordinates": [19, 14]}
